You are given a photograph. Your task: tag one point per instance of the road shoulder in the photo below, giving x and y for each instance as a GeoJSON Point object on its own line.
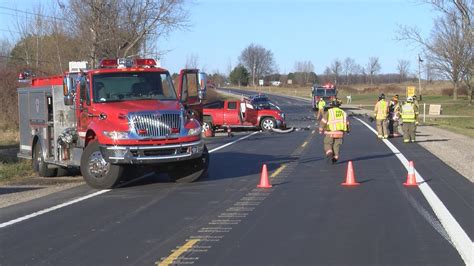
{"type": "Point", "coordinates": [454, 149]}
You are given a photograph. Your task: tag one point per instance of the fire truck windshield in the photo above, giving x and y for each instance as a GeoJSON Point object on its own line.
{"type": "Point", "coordinates": [324, 92]}
{"type": "Point", "coordinates": [129, 86]}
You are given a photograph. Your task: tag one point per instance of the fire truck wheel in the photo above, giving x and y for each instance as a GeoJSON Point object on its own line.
{"type": "Point", "coordinates": [63, 171]}
{"type": "Point", "coordinates": [39, 165]}
{"type": "Point", "coordinates": [97, 172]}
{"type": "Point", "coordinates": [192, 170]}
{"type": "Point", "coordinates": [267, 123]}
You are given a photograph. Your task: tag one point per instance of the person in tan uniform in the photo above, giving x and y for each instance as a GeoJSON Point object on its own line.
{"type": "Point", "coordinates": [381, 114]}
{"type": "Point", "coordinates": [409, 117]}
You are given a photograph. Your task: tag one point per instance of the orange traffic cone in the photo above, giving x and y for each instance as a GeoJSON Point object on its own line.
{"type": "Point", "coordinates": [350, 178]}
{"type": "Point", "coordinates": [264, 178]}
{"type": "Point", "coordinates": [411, 177]}
{"type": "Point", "coordinates": [208, 133]}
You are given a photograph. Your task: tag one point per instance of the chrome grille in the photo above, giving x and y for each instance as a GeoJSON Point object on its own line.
{"type": "Point", "coordinates": [154, 124]}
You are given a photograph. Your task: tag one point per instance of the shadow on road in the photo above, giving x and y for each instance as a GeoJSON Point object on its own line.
{"type": "Point", "coordinates": [432, 140]}
{"type": "Point", "coordinates": [368, 157]}
{"type": "Point", "coordinates": [225, 165]}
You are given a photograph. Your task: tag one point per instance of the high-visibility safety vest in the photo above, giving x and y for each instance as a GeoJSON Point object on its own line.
{"type": "Point", "coordinates": [337, 120]}
{"type": "Point", "coordinates": [408, 113]}
{"type": "Point", "coordinates": [381, 110]}
{"type": "Point", "coordinates": [321, 104]}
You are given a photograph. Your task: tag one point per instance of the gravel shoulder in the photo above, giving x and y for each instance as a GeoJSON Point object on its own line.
{"type": "Point", "coordinates": [454, 149]}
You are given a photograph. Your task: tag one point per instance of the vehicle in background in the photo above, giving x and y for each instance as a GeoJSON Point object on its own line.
{"type": "Point", "coordinates": [327, 92]}
{"type": "Point", "coordinates": [260, 101]}
{"type": "Point", "coordinates": [25, 76]}
{"type": "Point", "coordinates": [127, 112]}
{"type": "Point", "coordinates": [241, 114]}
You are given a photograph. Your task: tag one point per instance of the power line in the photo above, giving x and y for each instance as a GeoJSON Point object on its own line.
{"type": "Point", "coordinates": [29, 13]}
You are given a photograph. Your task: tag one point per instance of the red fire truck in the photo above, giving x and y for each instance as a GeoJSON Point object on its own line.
{"type": "Point", "coordinates": [126, 112]}
{"type": "Point", "coordinates": [328, 93]}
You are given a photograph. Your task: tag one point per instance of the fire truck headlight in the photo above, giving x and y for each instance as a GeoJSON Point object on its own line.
{"type": "Point", "coordinates": [116, 134]}
{"type": "Point", "coordinates": [194, 131]}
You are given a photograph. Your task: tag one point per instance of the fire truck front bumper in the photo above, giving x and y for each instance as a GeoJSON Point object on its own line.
{"type": "Point", "coordinates": [152, 154]}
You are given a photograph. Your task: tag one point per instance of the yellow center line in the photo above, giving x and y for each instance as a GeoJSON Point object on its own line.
{"type": "Point", "coordinates": [304, 144]}
{"type": "Point", "coordinates": [169, 260]}
{"type": "Point", "coordinates": [278, 170]}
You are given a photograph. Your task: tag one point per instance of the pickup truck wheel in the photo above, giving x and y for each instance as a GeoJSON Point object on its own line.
{"type": "Point", "coordinates": [97, 172]}
{"type": "Point", "coordinates": [191, 170]}
{"type": "Point", "coordinates": [268, 123]}
{"type": "Point", "coordinates": [206, 126]}
{"type": "Point", "coordinates": [39, 165]}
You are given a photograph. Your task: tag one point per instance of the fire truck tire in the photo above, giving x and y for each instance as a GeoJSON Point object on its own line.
{"type": "Point", "coordinates": [192, 170]}
{"type": "Point", "coordinates": [267, 123]}
{"type": "Point", "coordinates": [63, 171]}
{"type": "Point", "coordinates": [39, 165]}
{"type": "Point", "coordinates": [97, 172]}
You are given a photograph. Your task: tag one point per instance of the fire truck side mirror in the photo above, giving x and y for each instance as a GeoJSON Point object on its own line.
{"type": "Point", "coordinates": [202, 86]}
{"type": "Point", "coordinates": [68, 91]}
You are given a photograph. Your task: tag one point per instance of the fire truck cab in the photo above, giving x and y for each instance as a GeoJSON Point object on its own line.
{"type": "Point", "coordinates": [126, 112]}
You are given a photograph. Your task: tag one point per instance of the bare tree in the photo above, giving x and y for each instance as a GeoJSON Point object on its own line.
{"type": "Point", "coordinates": [373, 67]}
{"type": "Point", "coordinates": [449, 48]}
{"type": "Point", "coordinates": [303, 71]}
{"type": "Point", "coordinates": [5, 48]}
{"type": "Point", "coordinates": [192, 61]}
{"type": "Point", "coordinates": [336, 68]}
{"type": "Point", "coordinates": [258, 61]}
{"type": "Point", "coordinates": [348, 69]}
{"type": "Point", "coordinates": [121, 28]}
{"type": "Point", "coordinates": [403, 68]}
{"type": "Point", "coordinates": [327, 74]}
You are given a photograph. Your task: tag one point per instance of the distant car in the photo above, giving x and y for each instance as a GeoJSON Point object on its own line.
{"type": "Point", "coordinates": [260, 101]}
{"type": "Point", "coordinates": [25, 76]}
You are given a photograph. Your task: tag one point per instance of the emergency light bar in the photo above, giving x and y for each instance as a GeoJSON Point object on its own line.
{"type": "Point", "coordinates": [127, 62]}
{"type": "Point", "coordinates": [328, 86]}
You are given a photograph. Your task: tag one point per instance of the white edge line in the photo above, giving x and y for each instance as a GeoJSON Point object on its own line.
{"type": "Point", "coordinates": [29, 216]}
{"type": "Point", "coordinates": [461, 240]}
{"type": "Point", "coordinates": [230, 143]}
{"type": "Point", "coordinates": [38, 213]}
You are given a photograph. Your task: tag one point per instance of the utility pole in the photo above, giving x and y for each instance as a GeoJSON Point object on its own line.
{"type": "Point", "coordinates": [419, 75]}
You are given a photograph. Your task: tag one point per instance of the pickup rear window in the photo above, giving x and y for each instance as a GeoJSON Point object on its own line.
{"type": "Point", "coordinates": [232, 105]}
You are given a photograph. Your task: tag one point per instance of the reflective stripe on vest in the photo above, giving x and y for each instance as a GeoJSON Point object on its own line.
{"type": "Point", "coordinates": [382, 110]}
{"type": "Point", "coordinates": [408, 113]}
{"type": "Point", "coordinates": [336, 120]}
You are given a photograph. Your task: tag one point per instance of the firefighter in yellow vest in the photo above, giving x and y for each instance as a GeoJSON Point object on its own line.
{"type": "Point", "coordinates": [321, 105]}
{"type": "Point", "coordinates": [333, 124]}
{"type": "Point", "coordinates": [409, 118]}
{"type": "Point", "coordinates": [381, 114]}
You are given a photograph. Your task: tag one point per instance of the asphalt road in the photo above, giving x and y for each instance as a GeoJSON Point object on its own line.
{"type": "Point", "coordinates": [307, 218]}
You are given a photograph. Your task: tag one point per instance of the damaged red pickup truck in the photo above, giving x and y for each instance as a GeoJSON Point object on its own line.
{"type": "Point", "coordinates": [241, 114]}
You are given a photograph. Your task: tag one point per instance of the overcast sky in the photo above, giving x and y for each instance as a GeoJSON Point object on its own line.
{"type": "Point", "coordinates": [318, 30]}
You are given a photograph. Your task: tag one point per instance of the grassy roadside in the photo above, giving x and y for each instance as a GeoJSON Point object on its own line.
{"type": "Point", "coordinates": [10, 166]}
